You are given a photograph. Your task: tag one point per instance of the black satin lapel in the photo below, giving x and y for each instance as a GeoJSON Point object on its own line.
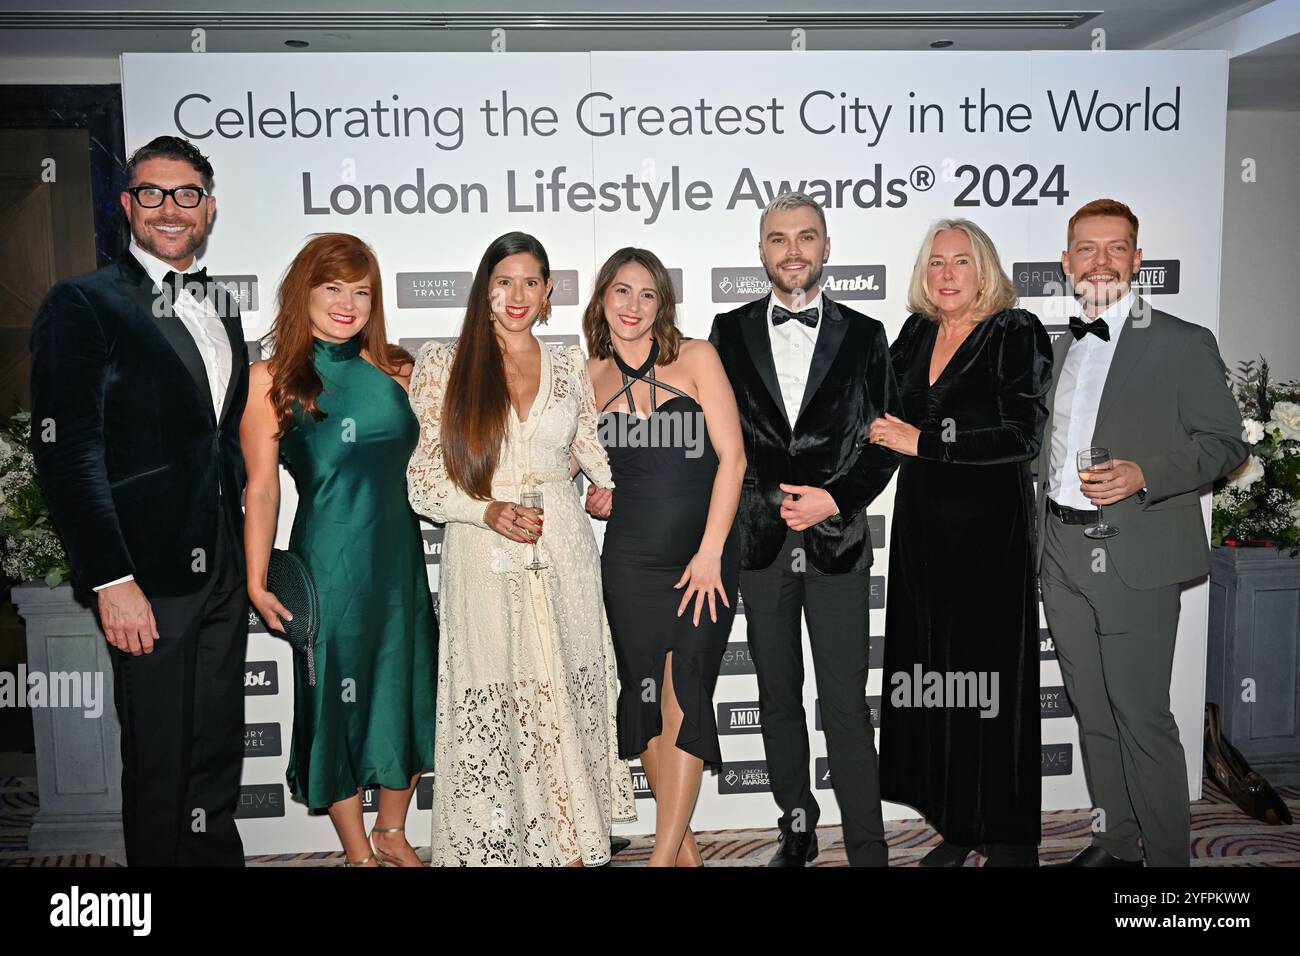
{"type": "Point", "coordinates": [158, 307]}
{"type": "Point", "coordinates": [753, 327]}
{"type": "Point", "coordinates": [1128, 352]}
{"type": "Point", "coordinates": [830, 333]}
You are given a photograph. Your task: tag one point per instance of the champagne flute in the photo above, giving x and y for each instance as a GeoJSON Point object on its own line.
{"type": "Point", "coordinates": [1089, 459]}
{"type": "Point", "coordinates": [533, 499]}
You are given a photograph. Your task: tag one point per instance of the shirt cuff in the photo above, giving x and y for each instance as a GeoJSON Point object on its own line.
{"type": "Point", "coordinates": [129, 577]}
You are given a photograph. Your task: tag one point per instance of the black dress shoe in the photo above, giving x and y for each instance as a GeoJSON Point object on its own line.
{"type": "Point", "coordinates": [1011, 854]}
{"type": "Point", "coordinates": [795, 849]}
{"type": "Point", "coordinates": [947, 854]}
{"type": "Point", "coordinates": [1096, 856]}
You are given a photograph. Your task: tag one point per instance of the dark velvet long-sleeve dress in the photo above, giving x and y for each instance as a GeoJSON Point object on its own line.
{"type": "Point", "coordinates": [960, 711]}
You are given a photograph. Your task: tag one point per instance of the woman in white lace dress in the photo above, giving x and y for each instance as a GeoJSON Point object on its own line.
{"type": "Point", "coordinates": [526, 763]}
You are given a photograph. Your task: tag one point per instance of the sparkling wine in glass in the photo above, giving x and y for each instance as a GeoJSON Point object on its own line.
{"type": "Point", "coordinates": [533, 499]}
{"type": "Point", "coordinates": [1092, 459]}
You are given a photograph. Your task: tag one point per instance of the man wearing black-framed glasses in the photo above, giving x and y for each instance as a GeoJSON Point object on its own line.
{"type": "Point", "coordinates": [139, 380]}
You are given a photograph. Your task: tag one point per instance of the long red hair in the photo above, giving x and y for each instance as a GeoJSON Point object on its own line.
{"type": "Point", "coordinates": [327, 257]}
{"type": "Point", "coordinates": [476, 405]}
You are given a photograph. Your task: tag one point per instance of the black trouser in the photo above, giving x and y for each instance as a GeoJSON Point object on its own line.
{"type": "Point", "coordinates": [837, 609]}
{"type": "Point", "coordinates": [182, 715]}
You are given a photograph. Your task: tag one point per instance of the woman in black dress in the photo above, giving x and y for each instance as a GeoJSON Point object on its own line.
{"type": "Point", "coordinates": [669, 566]}
{"type": "Point", "coordinates": [960, 712]}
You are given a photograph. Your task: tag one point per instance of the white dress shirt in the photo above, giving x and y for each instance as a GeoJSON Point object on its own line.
{"type": "Point", "coordinates": [1078, 393]}
{"type": "Point", "coordinates": [201, 321]}
{"type": "Point", "coordinates": [792, 351]}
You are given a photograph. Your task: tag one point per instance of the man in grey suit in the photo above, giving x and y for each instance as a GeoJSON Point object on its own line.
{"type": "Point", "coordinates": [1152, 389]}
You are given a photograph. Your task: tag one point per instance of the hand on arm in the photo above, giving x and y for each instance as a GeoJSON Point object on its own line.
{"type": "Point", "coordinates": [895, 434]}
{"type": "Point", "coordinates": [875, 463]}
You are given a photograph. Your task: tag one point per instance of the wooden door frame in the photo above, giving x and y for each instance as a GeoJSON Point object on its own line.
{"type": "Point", "coordinates": [98, 109]}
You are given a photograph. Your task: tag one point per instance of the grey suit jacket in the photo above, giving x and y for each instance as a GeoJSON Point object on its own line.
{"type": "Point", "coordinates": [1166, 405]}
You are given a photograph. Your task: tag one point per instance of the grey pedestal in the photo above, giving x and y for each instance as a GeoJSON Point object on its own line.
{"type": "Point", "coordinates": [1254, 650]}
{"type": "Point", "coordinates": [78, 758]}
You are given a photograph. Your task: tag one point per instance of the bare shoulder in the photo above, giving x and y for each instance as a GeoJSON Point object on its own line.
{"type": "Point", "coordinates": [259, 376]}
{"type": "Point", "coordinates": [698, 355]}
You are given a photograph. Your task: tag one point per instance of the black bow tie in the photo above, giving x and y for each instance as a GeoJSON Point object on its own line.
{"type": "Point", "coordinates": [1097, 327]}
{"type": "Point", "coordinates": [189, 280]}
{"type": "Point", "coordinates": [808, 316]}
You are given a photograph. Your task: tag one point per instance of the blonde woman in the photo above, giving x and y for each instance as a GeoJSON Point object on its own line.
{"type": "Point", "coordinates": [973, 372]}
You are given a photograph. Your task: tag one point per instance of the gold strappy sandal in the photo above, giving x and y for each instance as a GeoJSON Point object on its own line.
{"type": "Point", "coordinates": [381, 857]}
{"type": "Point", "coordinates": [347, 862]}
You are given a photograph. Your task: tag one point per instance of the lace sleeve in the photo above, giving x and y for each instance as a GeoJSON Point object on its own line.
{"type": "Point", "coordinates": [586, 446]}
{"type": "Point", "coordinates": [429, 489]}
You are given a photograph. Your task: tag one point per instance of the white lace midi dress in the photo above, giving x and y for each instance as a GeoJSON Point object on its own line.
{"type": "Point", "coordinates": [526, 768]}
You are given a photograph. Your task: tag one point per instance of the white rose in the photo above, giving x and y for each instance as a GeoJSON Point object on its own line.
{"type": "Point", "coordinates": [1286, 420]}
{"type": "Point", "coordinates": [1246, 474]}
{"type": "Point", "coordinates": [1251, 431]}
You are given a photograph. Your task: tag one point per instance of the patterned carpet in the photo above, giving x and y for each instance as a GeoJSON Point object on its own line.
{"type": "Point", "coordinates": [1221, 836]}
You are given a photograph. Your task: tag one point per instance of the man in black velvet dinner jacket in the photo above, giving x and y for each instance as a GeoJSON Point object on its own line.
{"type": "Point", "coordinates": [809, 375]}
{"type": "Point", "coordinates": [139, 379]}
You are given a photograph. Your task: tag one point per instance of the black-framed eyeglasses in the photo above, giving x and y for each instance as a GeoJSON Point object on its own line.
{"type": "Point", "coordinates": [151, 197]}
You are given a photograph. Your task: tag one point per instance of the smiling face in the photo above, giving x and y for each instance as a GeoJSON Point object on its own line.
{"type": "Point", "coordinates": [631, 303]}
{"type": "Point", "coordinates": [518, 291]}
{"type": "Point", "coordinates": [339, 310]}
{"type": "Point", "coordinates": [170, 232]}
{"type": "Point", "coordinates": [950, 277]}
{"type": "Point", "coordinates": [1101, 261]}
{"type": "Point", "coordinates": [794, 248]}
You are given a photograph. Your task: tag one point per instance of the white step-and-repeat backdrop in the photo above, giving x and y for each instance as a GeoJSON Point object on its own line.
{"type": "Point", "coordinates": [428, 157]}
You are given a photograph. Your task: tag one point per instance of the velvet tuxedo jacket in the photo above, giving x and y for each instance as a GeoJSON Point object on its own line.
{"type": "Point", "coordinates": [850, 384]}
{"type": "Point", "coordinates": [131, 458]}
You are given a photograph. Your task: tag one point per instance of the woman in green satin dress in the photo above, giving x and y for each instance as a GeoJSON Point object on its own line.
{"type": "Point", "coordinates": [331, 405]}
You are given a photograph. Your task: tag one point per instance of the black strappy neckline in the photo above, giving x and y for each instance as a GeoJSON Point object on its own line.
{"type": "Point", "coordinates": [646, 373]}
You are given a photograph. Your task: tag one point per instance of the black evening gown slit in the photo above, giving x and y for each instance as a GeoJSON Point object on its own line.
{"type": "Point", "coordinates": [663, 466]}
{"type": "Point", "coordinates": [962, 595]}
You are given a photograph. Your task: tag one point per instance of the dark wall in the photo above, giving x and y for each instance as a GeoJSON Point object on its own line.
{"type": "Point", "coordinates": [97, 109]}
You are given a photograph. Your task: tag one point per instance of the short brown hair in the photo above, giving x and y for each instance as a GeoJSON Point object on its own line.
{"type": "Point", "coordinates": [595, 327]}
{"type": "Point", "coordinates": [1102, 207]}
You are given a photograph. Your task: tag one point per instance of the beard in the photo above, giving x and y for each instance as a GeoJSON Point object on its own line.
{"type": "Point", "coordinates": [1102, 294]}
{"type": "Point", "coordinates": [144, 239]}
{"type": "Point", "coordinates": [814, 277]}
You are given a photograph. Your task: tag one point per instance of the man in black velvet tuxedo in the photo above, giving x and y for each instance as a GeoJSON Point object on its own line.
{"type": "Point", "coordinates": [810, 375]}
{"type": "Point", "coordinates": [139, 379]}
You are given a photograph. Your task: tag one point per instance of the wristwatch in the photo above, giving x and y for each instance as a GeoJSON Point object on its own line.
{"type": "Point", "coordinates": [1142, 495]}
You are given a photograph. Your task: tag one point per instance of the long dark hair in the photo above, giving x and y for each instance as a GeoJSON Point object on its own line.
{"type": "Point", "coordinates": [476, 405]}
